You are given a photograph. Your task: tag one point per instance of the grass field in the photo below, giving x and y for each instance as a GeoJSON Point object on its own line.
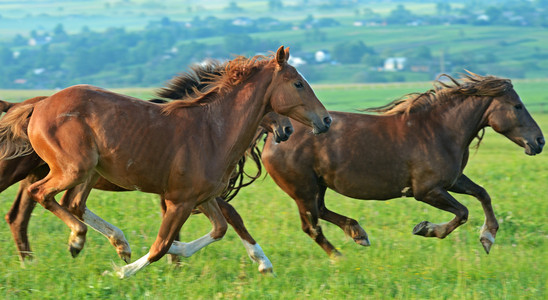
{"type": "Point", "coordinates": [397, 265]}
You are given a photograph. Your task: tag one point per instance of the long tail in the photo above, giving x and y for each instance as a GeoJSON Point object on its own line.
{"type": "Point", "coordinates": [14, 141]}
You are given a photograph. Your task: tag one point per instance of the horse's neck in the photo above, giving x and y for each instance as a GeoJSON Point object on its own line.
{"type": "Point", "coordinates": [465, 119]}
{"type": "Point", "coordinates": [235, 120]}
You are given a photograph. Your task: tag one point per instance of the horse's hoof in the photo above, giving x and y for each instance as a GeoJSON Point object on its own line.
{"type": "Point", "coordinates": [74, 251]}
{"type": "Point", "coordinates": [266, 270]}
{"type": "Point", "coordinates": [364, 241]}
{"type": "Point", "coordinates": [487, 242]}
{"type": "Point", "coordinates": [335, 255]}
{"type": "Point", "coordinates": [423, 228]}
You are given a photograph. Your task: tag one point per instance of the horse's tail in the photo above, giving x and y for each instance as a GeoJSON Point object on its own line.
{"type": "Point", "coordinates": [14, 141]}
{"type": "Point", "coordinates": [5, 106]}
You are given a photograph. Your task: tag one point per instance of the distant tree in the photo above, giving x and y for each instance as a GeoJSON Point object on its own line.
{"type": "Point", "coordinates": [350, 52]}
{"type": "Point", "coordinates": [400, 15]}
{"type": "Point", "coordinates": [494, 13]}
{"type": "Point", "coordinates": [233, 7]}
{"type": "Point", "coordinates": [165, 22]}
{"type": "Point", "coordinates": [443, 8]}
{"type": "Point", "coordinates": [19, 40]}
{"type": "Point", "coordinates": [237, 43]}
{"type": "Point", "coordinates": [275, 5]}
{"type": "Point", "coordinates": [422, 52]}
{"type": "Point", "coordinates": [59, 33]}
{"type": "Point", "coordinates": [6, 56]}
{"type": "Point", "coordinates": [372, 60]}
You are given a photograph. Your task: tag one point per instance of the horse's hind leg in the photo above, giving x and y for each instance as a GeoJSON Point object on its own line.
{"type": "Point", "coordinates": [19, 215]}
{"type": "Point", "coordinates": [253, 249]}
{"type": "Point", "coordinates": [18, 219]}
{"type": "Point", "coordinates": [350, 226]}
{"type": "Point", "coordinates": [306, 196]}
{"type": "Point", "coordinates": [75, 201]}
{"type": "Point", "coordinates": [44, 191]}
{"type": "Point", "coordinates": [441, 199]}
{"type": "Point", "coordinates": [489, 229]}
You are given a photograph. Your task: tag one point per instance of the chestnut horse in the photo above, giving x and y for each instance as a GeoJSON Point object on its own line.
{"type": "Point", "coordinates": [184, 151]}
{"type": "Point", "coordinates": [178, 88]}
{"type": "Point", "coordinates": [417, 148]}
{"type": "Point", "coordinates": [32, 168]}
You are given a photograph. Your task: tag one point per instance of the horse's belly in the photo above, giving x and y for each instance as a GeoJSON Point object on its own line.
{"type": "Point", "coordinates": [366, 188]}
{"type": "Point", "coordinates": [133, 176]}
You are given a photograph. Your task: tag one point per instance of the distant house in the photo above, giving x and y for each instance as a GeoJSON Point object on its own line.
{"type": "Point", "coordinates": [242, 21]}
{"type": "Point", "coordinates": [39, 40]}
{"type": "Point", "coordinates": [296, 61]}
{"type": "Point", "coordinates": [322, 56]}
{"type": "Point", "coordinates": [395, 64]}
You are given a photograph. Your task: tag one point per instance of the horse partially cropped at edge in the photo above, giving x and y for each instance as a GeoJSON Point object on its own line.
{"type": "Point", "coordinates": [184, 150]}
{"type": "Point", "coordinates": [31, 168]}
{"type": "Point", "coordinates": [418, 147]}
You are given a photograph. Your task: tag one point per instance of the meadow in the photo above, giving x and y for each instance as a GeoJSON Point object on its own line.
{"type": "Point", "coordinates": [397, 265]}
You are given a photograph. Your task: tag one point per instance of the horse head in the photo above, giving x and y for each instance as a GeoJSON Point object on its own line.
{"type": "Point", "coordinates": [279, 125]}
{"type": "Point", "coordinates": [291, 95]}
{"type": "Point", "coordinates": [508, 116]}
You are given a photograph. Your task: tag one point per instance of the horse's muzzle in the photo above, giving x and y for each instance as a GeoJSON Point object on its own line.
{"type": "Point", "coordinates": [536, 147]}
{"type": "Point", "coordinates": [324, 127]}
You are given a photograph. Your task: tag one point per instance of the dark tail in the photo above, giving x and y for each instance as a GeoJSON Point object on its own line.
{"type": "Point", "coordinates": [5, 106]}
{"type": "Point", "coordinates": [14, 141]}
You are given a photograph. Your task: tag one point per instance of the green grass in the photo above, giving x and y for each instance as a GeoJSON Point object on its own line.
{"type": "Point", "coordinates": [397, 265]}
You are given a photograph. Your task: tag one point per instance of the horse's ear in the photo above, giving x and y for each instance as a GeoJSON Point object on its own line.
{"type": "Point", "coordinates": [282, 56]}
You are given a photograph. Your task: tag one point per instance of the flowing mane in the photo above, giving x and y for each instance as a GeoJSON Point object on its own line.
{"type": "Point", "coordinates": [191, 83]}
{"type": "Point", "coordinates": [470, 84]}
{"type": "Point", "coordinates": [204, 83]}
{"type": "Point", "coordinates": [197, 82]}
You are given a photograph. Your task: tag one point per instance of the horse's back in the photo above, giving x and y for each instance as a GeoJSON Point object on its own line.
{"type": "Point", "coordinates": [115, 134]}
{"type": "Point", "coordinates": [361, 156]}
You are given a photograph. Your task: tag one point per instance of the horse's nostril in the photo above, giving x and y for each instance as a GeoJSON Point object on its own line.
{"type": "Point", "coordinates": [288, 130]}
{"type": "Point", "coordinates": [541, 141]}
{"type": "Point", "coordinates": [327, 121]}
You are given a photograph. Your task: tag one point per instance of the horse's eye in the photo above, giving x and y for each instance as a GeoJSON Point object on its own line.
{"type": "Point", "coordinates": [298, 85]}
{"type": "Point", "coordinates": [518, 106]}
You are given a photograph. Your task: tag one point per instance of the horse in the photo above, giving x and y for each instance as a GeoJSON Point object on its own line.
{"type": "Point", "coordinates": [18, 216]}
{"type": "Point", "coordinates": [32, 167]}
{"type": "Point", "coordinates": [184, 151]}
{"type": "Point", "coordinates": [417, 147]}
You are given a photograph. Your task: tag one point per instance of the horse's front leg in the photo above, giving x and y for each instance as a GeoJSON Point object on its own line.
{"type": "Point", "coordinates": [213, 212]}
{"type": "Point", "coordinates": [490, 227]}
{"type": "Point", "coordinates": [176, 214]}
{"type": "Point", "coordinates": [440, 198]}
{"type": "Point", "coordinates": [253, 249]}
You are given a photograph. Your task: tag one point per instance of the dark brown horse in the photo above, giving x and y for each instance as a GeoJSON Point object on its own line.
{"type": "Point", "coordinates": [417, 148]}
{"type": "Point", "coordinates": [185, 150]}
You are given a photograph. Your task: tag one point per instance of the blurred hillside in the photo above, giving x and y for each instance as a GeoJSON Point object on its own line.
{"type": "Point", "coordinates": [54, 44]}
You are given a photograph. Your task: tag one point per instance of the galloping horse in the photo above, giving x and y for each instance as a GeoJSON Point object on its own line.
{"type": "Point", "coordinates": [179, 88]}
{"type": "Point", "coordinates": [184, 151]}
{"type": "Point", "coordinates": [32, 168]}
{"type": "Point", "coordinates": [417, 148]}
